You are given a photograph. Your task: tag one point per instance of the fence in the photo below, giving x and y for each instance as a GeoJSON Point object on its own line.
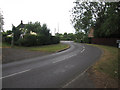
{"type": "Point", "coordinates": [105, 41]}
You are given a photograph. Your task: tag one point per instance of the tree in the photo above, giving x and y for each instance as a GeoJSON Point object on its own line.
{"type": "Point", "coordinates": [34, 27]}
{"type": "Point", "coordinates": [84, 15]}
{"type": "Point", "coordinates": [37, 28]}
{"type": "Point", "coordinates": [16, 33]}
{"type": "Point", "coordinates": [103, 16]}
{"type": "Point", "coordinates": [66, 36]}
{"type": "Point", "coordinates": [71, 36]}
{"type": "Point", "coordinates": [45, 31]}
{"type": "Point", "coordinates": [1, 22]}
{"type": "Point", "coordinates": [108, 24]}
{"type": "Point", "coordinates": [13, 30]}
{"type": "Point", "coordinates": [42, 35]}
{"type": "Point", "coordinates": [5, 37]}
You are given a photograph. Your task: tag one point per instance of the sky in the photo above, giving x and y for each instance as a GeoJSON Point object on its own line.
{"type": "Point", "coordinates": [55, 13]}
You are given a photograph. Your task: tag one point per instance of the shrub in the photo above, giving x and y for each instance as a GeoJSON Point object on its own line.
{"type": "Point", "coordinates": [7, 39]}
{"type": "Point", "coordinates": [86, 40]}
{"type": "Point", "coordinates": [28, 40]}
{"type": "Point", "coordinates": [78, 40]}
{"type": "Point", "coordinates": [33, 40]}
{"type": "Point", "coordinates": [43, 40]}
{"type": "Point", "coordinates": [55, 40]}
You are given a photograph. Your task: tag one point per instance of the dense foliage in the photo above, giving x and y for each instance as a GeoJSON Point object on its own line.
{"type": "Point", "coordinates": [1, 22]}
{"type": "Point", "coordinates": [66, 36]}
{"type": "Point", "coordinates": [77, 37]}
{"type": "Point", "coordinates": [103, 17]}
{"type": "Point", "coordinates": [31, 34]}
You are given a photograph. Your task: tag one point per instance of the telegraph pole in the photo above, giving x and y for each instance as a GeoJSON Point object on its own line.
{"type": "Point", "coordinates": [54, 31]}
{"type": "Point", "coordinates": [12, 41]}
{"type": "Point", "coordinates": [58, 28]}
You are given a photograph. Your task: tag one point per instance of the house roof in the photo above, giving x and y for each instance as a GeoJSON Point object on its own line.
{"type": "Point", "coordinates": [21, 25]}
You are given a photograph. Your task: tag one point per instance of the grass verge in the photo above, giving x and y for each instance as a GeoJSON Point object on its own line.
{"type": "Point", "coordinates": [5, 45]}
{"type": "Point", "coordinates": [48, 48]}
{"type": "Point", "coordinates": [106, 69]}
{"type": "Point", "coordinates": [45, 48]}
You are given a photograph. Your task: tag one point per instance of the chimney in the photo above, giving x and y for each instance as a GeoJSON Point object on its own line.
{"type": "Point", "coordinates": [21, 22]}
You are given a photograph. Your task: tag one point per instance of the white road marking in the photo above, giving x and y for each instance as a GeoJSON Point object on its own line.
{"type": "Point", "coordinates": [15, 74]}
{"type": "Point", "coordinates": [59, 60]}
{"type": "Point", "coordinates": [82, 50]}
{"type": "Point", "coordinates": [75, 78]}
{"type": "Point", "coordinates": [65, 58]}
{"type": "Point", "coordinates": [69, 56]}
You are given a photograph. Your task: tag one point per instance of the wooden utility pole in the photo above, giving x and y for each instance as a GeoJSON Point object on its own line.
{"type": "Point", "coordinates": [54, 31]}
{"type": "Point", "coordinates": [58, 28]}
{"type": "Point", "coordinates": [12, 41]}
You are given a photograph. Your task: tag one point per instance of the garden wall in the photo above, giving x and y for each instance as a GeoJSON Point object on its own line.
{"type": "Point", "coordinates": [105, 41]}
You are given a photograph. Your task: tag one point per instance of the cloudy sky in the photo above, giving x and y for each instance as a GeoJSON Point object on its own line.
{"type": "Point", "coordinates": [55, 13]}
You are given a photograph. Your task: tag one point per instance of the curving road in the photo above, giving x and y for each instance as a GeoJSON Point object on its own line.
{"type": "Point", "coordinates": [57, 70]}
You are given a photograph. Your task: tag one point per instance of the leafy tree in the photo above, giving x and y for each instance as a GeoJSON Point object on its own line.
{"type": "Point", "coordinates": [79, 36]}
{"type": "Point", "coordinates": [45, 31]}
{"type": "Point", "coordinates": [65, 35]}
{"type": "Point", "coordinates": [34, 27]}
{"type": "Point", "coordinates": [55, 39]}
{"type": "Point", "coordinates": [42, 37]}
{"type": "Point", "coordinates": [61, 36]}
{"type": "Point", "coordinates": [8, 32]}
{"type": "Point", "coordinates": [1, 22]}
{"type": "Point", "coordinates": [84, 15]}
{"type": "Point", "coordinates": [103, 16]}
{"type": "Point", "coordinates": [108, 24]}
{"type": "Point", "coordinates": [71, 36]}
{"type": "Point", "coordinates": [37, 28]}
{"type": "Point", "coordinates": [16, 33]}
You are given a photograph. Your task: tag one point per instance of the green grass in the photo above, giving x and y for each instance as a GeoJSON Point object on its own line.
{"type": "Point", "coordinates": [48, 48]}
{"type": "Point", "coordinates": [0, 44]}
{"type": "Point", "coordinates": [45, 48]}
{"type": "Point", "coordinates": [5, 45]}
{"type": "Point", "coordinates": [108, 63]}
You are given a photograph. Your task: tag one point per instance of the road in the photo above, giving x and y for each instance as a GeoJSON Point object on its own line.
{"type": "Point", "coordinates": [56, 70]}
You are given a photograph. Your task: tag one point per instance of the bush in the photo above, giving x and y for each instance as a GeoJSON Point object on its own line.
{"type": "Point", "coordinates": [86, 40]}
{"type": "Point", "coordinates": [43, 40]}
{"type": "Point", "coordinates": [55, 40]}
{"type": "Point", "coordinates": [39, 40]}
{"type": "Point", "coordinates": [20, 42]}
{"type": "Point", "coordinates": [7, 39]}
{"type": "Point", "coordinates": [33, 40]}
{"type": "Point", "coordinates": [78, 40]}
{"type": "Point", "coordinates": [28, 40]}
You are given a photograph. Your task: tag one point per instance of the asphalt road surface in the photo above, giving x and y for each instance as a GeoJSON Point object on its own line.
{"type": "Point", "coordinates": [57, 70]}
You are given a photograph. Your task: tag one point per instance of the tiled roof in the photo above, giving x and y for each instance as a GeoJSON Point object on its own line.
{"type": "Point", "coordinates": [21, 25]}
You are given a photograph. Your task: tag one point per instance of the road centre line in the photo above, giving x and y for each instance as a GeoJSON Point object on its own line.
{"type": "Point", "coordinates": [82, 50]}
{"type": "Point", "coordinates": [15, 74]}
{"type": "Point", "coordinates": [69, 56]}
{"type": "Point", "coordinates": [64, 58]}
{"type": "Point", "coordinates": [59, 60]}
